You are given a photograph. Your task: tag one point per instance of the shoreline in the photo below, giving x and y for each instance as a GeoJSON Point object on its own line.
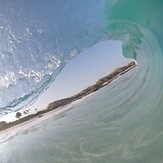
{"type": "Point", "coordinates": [57, 105]}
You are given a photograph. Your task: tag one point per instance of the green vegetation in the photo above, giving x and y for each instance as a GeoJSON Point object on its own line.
{"type": "Point", "coordinates": [2, 124]}
{"type": "Point", "coordinates": [26, 112]}
{"type": "Point", "coordinates": [54, 105]}
{"type": "Point", "coordinates": [99, 84]}
{"type": "Point", "coordinates": [18, 115]}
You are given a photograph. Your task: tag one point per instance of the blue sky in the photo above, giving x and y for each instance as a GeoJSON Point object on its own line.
{"type": "Point", "coordinates": [81, 72]}
{"type": "Point", "coordinates": [84, 70]}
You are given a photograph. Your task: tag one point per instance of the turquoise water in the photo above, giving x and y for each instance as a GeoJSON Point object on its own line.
{"type": "Point", "coordinates": [120, 123]}
{"type": "Point", "coordinates": [103, 127]}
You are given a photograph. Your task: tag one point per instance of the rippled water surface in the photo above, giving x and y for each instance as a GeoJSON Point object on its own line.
{"type": "Point", "coordinates": [99, 128]}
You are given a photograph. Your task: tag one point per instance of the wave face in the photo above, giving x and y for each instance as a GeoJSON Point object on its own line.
{"type": "Point", "coordinates": [102, 127]}
{"type": "Point", "coordinates": [39, 38]}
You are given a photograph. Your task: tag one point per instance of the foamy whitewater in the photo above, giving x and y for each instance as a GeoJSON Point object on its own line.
{"type": "Point", "coordinates": [121, 122]}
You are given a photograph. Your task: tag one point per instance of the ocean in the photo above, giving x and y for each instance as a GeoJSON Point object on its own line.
{"type": "Point", "coordinates": [105, 126]}
{"type": "Point", "coordinates": [121, 122]}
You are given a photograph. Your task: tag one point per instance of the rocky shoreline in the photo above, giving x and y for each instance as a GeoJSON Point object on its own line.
{"type": "Point", "coordinates": [59, 103]}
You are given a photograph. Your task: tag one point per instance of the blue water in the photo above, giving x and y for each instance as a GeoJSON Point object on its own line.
{"type": "Point", "coordinates": [120, 123]}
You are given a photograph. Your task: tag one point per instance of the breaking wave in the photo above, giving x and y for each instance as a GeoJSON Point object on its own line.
{"type": "Point", "coordinates": [121, 122]}
{"type": "Point", "coordinates": [39, 38]}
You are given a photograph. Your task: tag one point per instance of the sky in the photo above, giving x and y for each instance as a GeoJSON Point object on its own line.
{"type": "Point", "coordinates": [81, 72]}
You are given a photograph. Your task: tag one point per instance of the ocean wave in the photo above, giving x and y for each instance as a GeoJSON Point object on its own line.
{"type": "Point", "coordinates": [119, 123]}
{"type": "Point", "coordinates": [37, 42]}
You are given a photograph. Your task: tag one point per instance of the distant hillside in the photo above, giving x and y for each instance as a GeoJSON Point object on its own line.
{"type": "Point", "coordinates": [56, 104]}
